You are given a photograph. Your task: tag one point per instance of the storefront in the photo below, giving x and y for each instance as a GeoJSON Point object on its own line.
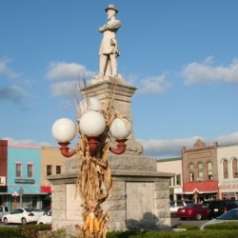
{"type": "Point", "coordinates": [200, 191]}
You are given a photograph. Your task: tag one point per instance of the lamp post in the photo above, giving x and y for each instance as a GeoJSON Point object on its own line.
{"type": "Point", "coordinates": [98, 127]}
{"type": "Point", "coordinates": [15, 196]}
{"type": "Point", "coordinates": [21, 191]}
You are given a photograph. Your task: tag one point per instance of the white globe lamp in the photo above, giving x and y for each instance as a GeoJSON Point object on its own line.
{"type": "Point", "coordinates": [92, 124]}
{"type": "Point", "coordinates": [64, 130]}
{"type": "Point", "coordinates": [120, 128]}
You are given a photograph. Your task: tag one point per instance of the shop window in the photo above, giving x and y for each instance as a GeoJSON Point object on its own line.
{"type": "Point", "coordinates": [200, 171]}
{"type": "Point", "coordinates": [30, 170]}
{"type": "Point", "coordinates": [234, 168]}
{"type": "Point", "coordinates": [58, 169]}
{"type": "Point", "coordinates": [225, 169]}
{"type": "Point", "coordinates": [18, 169]}
{"type": "Point", "coordinates": [48, 170]}
{"type": "Point", "coordinates": [210, 170]}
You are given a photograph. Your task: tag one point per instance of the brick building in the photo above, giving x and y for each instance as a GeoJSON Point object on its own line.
{"type": "Point", "coordinates": [3, 170]}
{"type": "Point", "coordinates": [200, 173]}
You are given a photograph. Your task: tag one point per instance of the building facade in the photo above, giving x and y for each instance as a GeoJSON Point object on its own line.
{"type": "Point", "coordinates": [20, 172]}
{"type": "Point", "coordinates": [174, 166]}
{"type": "Point", "coordinates": [23, 177]}
{"type": "Point", "coordinates": [200, 173]}
{"type": "Point", "coordinates": [52, 163]}
{"type": "Point", "coordinates": [227, 160]}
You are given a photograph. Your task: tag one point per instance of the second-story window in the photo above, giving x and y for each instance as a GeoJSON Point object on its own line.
{"type": "Point", "coordinates": [48, 170]}
{"type": "Point", "coordinates": [200, 171]}
{"type": "Point", "coordinates": [235, 168]}
{"type": "Point", "coordinates": [58, 169]}
{"type": "Point", "coordinates": [30, 170]}
{"type": "Point", "coordinates": [191, 172]}
{"type": "Point", "coordinates": [178, 179]}
{"type": "Point", "coordinates": [209, 170]}
{"type": "Point", "coordinates": [18, 169]}
{"type": "Point", "coordinates": [225, 169]}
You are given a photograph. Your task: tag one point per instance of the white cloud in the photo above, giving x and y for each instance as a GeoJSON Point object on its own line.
{"type": "Point", "coordinates": [167, 147]}
{"type": "Point", "coordinates": [67, 78]}
{"type": "Point", "coordinates": [11, 88]}
{"type": "Point", "coordinates": [12, 93]}
{"type": "Point", "coordinates": [72, 71]}
{"type": "Point", "coordinates": [153, 85]}
{"type": "Point", "coordinates": [172, 147]}
{"type": "Point", "coordinates": [66, 88]}
{"type": "Point", "coordinates": [5, 70]}
{"type": "Point", "coordinates": [207, 71]}
{"type": "Point", "coordinates": [25, 143]}
{"type": "Point", "coordinates": [231, 138]}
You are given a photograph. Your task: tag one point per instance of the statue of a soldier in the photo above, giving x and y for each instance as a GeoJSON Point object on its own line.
{"type": "Point", "coordinates": [109, 51]}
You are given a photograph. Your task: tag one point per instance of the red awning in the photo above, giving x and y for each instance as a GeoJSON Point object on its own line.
{"type": "Point", "coordinates": [201, 187]}
{"type": "Point", "coordinates": [46, 189]}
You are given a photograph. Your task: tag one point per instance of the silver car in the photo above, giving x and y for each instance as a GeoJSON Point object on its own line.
{"type": "Point", "coordinates": [230, 216]}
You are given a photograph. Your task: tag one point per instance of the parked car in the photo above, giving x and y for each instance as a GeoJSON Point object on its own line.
{"type": "Point", "coordinates": [3, 211]}
{"type": "Point", "coordinates": [45, 219]}
{"type": "Point", "coordinates": [37, 212]}
{"type": "Point", "coordinates": [174, 206]}
{"type": "Point", "coordinates": [230, 216]}
{"type": "Point", "coordinates": [20, 216]}
{"type": "Point", "coordinates": [193, 211]}
{"type": "Point", "coordinates": [218, 207]}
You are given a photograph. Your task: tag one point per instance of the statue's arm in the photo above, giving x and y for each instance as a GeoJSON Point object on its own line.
{"type": "Point", "coordinates": [114, 25]}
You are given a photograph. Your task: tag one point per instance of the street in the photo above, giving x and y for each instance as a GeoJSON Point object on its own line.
{"type": "Point", "coordinates": [176, 222]}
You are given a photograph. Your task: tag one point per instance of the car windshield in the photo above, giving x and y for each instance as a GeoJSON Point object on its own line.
{"type": "Point", "coordinates": [17, 211]}
{"type": "Point", "coordinates": [230, 215]}
{"type": "Point", "coordinates": [193, 205]}
{"type": "Point", "coordinates": [28, 209]}
{"type": "Point", "coordinates": [37, 210]}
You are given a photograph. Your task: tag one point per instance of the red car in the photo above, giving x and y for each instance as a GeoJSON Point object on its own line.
{"type": "Point", "coordinates": [194, 211]}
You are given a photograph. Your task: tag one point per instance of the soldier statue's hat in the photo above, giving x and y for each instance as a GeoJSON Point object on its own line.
{"type": "Point", "coordinates": [111, 6]}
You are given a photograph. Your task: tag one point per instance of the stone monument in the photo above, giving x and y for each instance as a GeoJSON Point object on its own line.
{"type": "Point", "coordinates": [140, 195]}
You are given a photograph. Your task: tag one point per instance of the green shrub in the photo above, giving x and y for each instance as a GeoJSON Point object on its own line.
{"type": "Point", "coordinates": [223, 226]}
{"type": "Point", "coordinates": [170, 234]}
{"type": "Point", "coordinates": [61, 233]}
{"type": "Point", "coordinates": [31, 231]}
{"type": "Point", "coordinates": [25, 231]}
{"type": "Point", "coordinates": [10, 232]}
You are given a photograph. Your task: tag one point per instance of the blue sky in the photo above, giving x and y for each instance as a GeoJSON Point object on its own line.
{"type": "Point", "coordinates": [182, 56]}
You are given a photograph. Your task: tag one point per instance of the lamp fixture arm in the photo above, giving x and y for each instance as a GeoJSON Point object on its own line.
{"type": "Point", "coordinates": [66, 150]}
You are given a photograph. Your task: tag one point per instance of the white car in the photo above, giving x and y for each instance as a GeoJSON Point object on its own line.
{"type": "Point", "coordinates": [20, 216]}
{"type": "Point", "coordinates": [37, 212]}
{"type": "Point", "coordinates": [45, 219]}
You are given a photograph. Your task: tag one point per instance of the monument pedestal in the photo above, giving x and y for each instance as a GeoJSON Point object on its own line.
{"type": "Point", "coordinates": [139, 198]}
{"type": "Point", "coordinates": [119, 93]}
{"type": "Point", "coordinates": [140, 195]}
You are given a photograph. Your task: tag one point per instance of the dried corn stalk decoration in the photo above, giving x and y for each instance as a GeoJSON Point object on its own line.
{"type": "Point", "coordinates": [94, 181]}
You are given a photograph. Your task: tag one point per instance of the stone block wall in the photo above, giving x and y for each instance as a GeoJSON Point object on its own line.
{"type": "Point", "coordinates": [133, 203]}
